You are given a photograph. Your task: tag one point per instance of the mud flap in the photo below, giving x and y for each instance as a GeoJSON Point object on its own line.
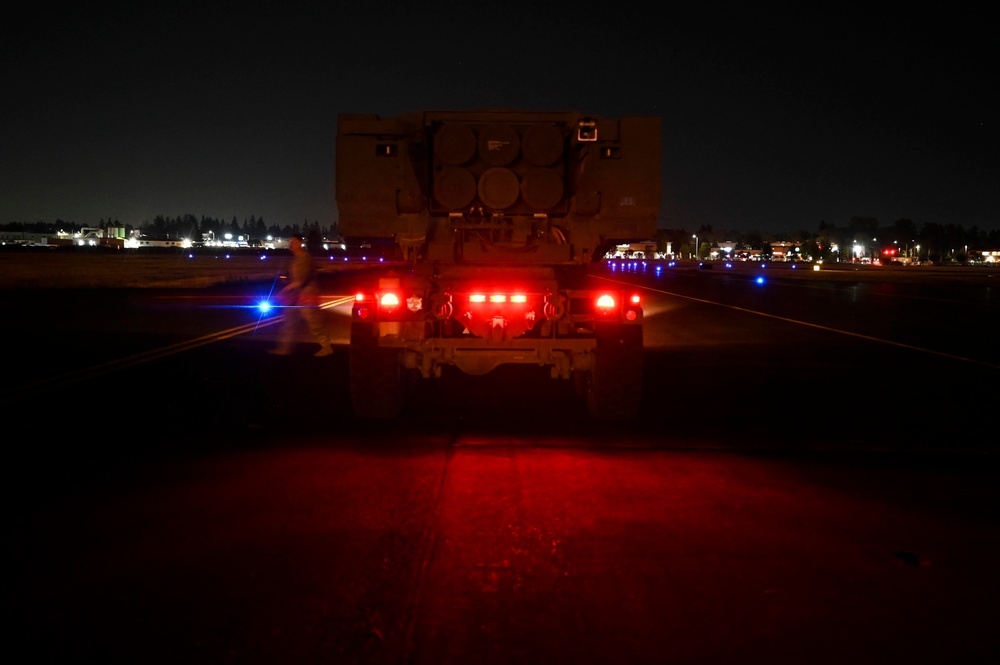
{"type": "Point", "coordinates": [376, 375]}
{"type": "Point", "coordinates": [614, 390]}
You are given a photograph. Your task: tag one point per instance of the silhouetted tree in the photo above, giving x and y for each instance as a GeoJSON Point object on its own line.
{"type": "Point", "coordinates": [259, 229]}
{"type": "Point", "coordinates": [314, 238]}
{"type": "Point", "coordinates": [863, 229]}
{"type": "Point", "coordinates": [810, 248]}
{"type": "Point", "coordinates": [753, 240]}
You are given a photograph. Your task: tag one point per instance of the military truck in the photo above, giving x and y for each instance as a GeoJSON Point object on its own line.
{"type": "Point", "coordinates": [490, 219]}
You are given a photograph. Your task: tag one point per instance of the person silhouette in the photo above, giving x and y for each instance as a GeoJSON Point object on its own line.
{"type": "Point", "coordinates": [300, 302]}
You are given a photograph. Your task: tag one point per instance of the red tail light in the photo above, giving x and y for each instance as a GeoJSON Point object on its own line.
{"type": "Point", "coordinates": [361, 309]}
{"type": "Point", "coordinates": [518, 298]}
{"type": "Point", "coordinates": [606, 302]}
{"type": "Point", "coordinates": [388, 303]}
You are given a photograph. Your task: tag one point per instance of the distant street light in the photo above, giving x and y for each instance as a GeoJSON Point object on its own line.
{"type": "Point", "coordinates": [695, 247]}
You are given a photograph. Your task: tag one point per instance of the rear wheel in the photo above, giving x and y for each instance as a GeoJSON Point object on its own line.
{"type": "Point", "coordinates": [376, 375]}
{"type": "Point", "coordinates": [614, 390]}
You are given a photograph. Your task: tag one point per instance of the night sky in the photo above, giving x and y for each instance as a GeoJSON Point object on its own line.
{"type": "Point", "coordinates": [772, 121]}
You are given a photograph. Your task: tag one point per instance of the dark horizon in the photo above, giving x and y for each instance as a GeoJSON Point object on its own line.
{"type": "Point", "coordinates": [938, 241]}
{"type": "Point", "coordinates": [777, 121]}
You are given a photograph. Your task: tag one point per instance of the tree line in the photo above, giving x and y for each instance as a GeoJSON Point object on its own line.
{"type": "Point", "coordinates": [186, 227]}
{"type": "Point", "coordinates": [936, 242]}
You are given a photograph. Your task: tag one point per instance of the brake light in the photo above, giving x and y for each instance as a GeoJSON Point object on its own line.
{"type": "Point", "coordinates": [388, 303]}
{"type": "Point", "coordinates": [606, 302]}
{"type": "Point", "coordinates": [634, 299]}
{"type": "Point", "coordinates": [519, 298]}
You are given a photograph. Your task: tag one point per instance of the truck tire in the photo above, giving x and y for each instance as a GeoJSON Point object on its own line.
{"type": "Point", "coordinates": [614, 391]}
{"type": "Point", "coordinates": [376, 375]}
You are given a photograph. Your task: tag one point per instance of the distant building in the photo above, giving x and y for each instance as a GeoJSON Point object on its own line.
{"type": "Point", "coordinates": [23, 238]}
{"type": "Point", "coordinates": [785, 250]}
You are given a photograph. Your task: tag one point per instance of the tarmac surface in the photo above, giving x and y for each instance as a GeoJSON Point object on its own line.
{"type": "Point", "coordinates": [809, 481]}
